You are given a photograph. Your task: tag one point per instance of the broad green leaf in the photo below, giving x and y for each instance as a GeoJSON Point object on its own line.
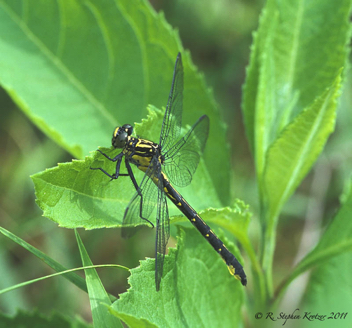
{"type": "Point", "coordinates": [73, 195]}
{"type": "Point", "coordinates": [35, 319]}
{"type": "Point", "coordinates": [329, 293]}
{"type": "Point", "coordinates": [336, 240]}
{"type": "Point", "coordinates": [79, 68]}
{"type": "Point", "coordinates": [73, 277]}
{"type": "Point", "coordinates": [295, 150]}
{"type": "Point", "coordinates": [99, 298]}
{"type": "Point", "coordinates": [150, 127]}
{"type": "Point", "coordinates": [297, 51]}
{"type": "Point", "coordinates": [196, 289]}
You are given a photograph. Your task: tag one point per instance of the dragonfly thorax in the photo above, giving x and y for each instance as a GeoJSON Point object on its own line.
{"type": "Point", "coordinates": [121, 135]}
{"type": "Point", "coordinates": [140, 152]}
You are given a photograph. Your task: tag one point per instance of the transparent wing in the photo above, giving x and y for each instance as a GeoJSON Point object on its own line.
{"type": "Point", "coordinates": [142, 203]}
{"type": "Point", "coordinates": [162, 234]}
{"type": "Point", "coordinates": [171, 127]}
{"type": "Point", "coordinates": [182, 159]}
{"type": "Point", "coordinates": [151, 193]}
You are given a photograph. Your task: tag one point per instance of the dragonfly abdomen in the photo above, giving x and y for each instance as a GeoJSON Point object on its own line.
{"type": "Point", "coordinates": [235, 268]}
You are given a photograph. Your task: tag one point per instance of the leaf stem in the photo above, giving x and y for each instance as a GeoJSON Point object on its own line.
{"type": "Point", "coordinates": [258, 277]}
{"type": "Point", "coordinates": [269, 250]}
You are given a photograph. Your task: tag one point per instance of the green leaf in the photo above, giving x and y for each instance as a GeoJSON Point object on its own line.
{"type": "Point", "coordinates": [99, 299]}
{"type": "Point", "coordinates": [196, 289]}
{"type": "Point", "coordinates": [35, 319]}
{"type": "Point", "coordinates": [297, 52]}
{"type": "Point", "coordinates": [150, 127]}
{"type": "Point", "coordinates": [329, 292]}
{"type": "Point", "coordinates": [79, 68]}
{"type": "Point", "coordinates": [296, 149]}
{"type": "Point", "coordinates": [73, 277]}
{"type": "Point", "coordinates": [73, 195]}
{"type": "Point", "coordinates": [336, 240]}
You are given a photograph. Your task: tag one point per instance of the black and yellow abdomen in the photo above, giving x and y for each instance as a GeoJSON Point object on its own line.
{"type": "Point", "coordinates": [232, 263]}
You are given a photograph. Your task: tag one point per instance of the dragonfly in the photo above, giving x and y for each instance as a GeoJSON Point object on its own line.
{"type": "Point", "coordinates": [170, 162]}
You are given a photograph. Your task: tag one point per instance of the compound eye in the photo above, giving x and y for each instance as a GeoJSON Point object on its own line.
{"type": "Point", "coordinates": [128, 128]}
{"type": "Point", "coordinates": [119, 137]}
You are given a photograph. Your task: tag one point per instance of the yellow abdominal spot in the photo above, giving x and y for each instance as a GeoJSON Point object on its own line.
{"type": "Point", "coordinates": [232, 270]}
{"type": "Point", "coordinates": [173, 198]}
{"type": "Point", "coordinates": [237, 277]}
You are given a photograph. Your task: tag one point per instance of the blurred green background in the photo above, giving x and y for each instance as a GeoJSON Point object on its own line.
{"type": "Point", "coordinates": [218, 35]}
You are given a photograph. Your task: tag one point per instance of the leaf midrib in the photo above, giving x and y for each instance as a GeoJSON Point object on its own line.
{"type": "Point", "coordinates": [295, 46]}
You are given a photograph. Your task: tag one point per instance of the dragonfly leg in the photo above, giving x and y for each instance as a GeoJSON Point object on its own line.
{"type": "Point", "coordinates": [141, 207]}
{"type": "Point", "coordinates": [130, 173]}
{"type": "Point", "coordinates": [116, 158]}
{"type": "Point", "coordinates": [117, 173]}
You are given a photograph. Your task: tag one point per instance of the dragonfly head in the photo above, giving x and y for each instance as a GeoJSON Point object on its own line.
{"type": "Point", "coordinates": [121, 135]}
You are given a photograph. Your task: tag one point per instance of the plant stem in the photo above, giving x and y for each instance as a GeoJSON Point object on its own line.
{"type": "Point", "coordinates": [258, 277]}
{"type": "Point", "coordinates": [269, 250]}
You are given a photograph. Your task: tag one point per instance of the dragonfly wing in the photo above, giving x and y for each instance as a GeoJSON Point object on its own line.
{"type": "Point", "coordinates": [171, 127]}
{"type": "Point", "coordinates": [162, 233]}
{"type": "Point", "coordinates": [182, 159]}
